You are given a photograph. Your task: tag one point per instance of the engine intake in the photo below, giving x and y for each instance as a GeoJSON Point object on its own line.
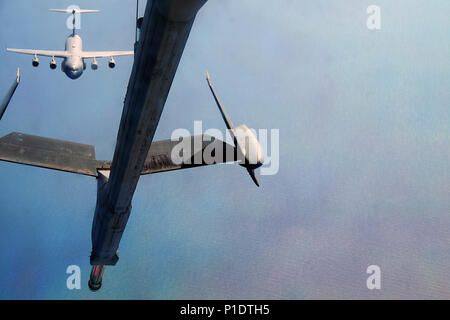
{"type": "Point", "coordinates": [94, 65]}
{"type": "Point", "coordinates": [35, 62]}
{"type": "Point", "coordinates": [53, 64]}
{"type": "Point", "coordinates": [112, 63]}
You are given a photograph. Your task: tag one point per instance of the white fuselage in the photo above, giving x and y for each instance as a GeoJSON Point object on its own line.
{"type": "Point", "coordinates": [73, 66]}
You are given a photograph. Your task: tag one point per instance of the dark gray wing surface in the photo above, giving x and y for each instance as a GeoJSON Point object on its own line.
{"type": "Point", "coordinates": [49, 153]}
{"type": "Point", "coordinates": [4, 104]}
{"type": "Point", "coordinates": [193, 151]}
{"type": "Point", "coordinates": [201, 150]}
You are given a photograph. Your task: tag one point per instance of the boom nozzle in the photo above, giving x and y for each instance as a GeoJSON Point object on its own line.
{"type": "Point", "coordinates": [95, 280]}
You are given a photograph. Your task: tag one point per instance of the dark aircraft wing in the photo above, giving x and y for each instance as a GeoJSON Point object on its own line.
{"type": "Point", "coordinates": [187, 152]}
{"type": "Point", "coordinates": [4, 104]}
{"type": "Point", "coordinates": [193, 151]}
{"type": "Point", "coordinates": [48, 153]}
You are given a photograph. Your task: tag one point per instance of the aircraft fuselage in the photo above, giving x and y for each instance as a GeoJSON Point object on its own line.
{"type": "Point", "coordinates": [73, 66]}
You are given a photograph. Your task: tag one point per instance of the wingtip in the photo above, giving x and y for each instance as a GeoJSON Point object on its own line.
{"type": "Point", "coordinates": [253, 176]}
{"type": "Point", "coordinates": [18, 75]}
{"type": "Point", "coordinates": [207, 75]}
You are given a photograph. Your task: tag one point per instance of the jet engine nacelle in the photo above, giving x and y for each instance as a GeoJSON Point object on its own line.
{"type": "Point", "coordinates": [94, 65]}
{"type": "Point", "coordinates": [53, 64]}
{"type": "Point", "coordinates": [112, 63]}
{"type": "Point", "coordinates": [249, 149]}
{"type": "Point", "coordinates": [35, 62]}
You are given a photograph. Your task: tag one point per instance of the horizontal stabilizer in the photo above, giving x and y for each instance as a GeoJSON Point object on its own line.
{"type": "Point", "coordinates": [48, 153]}
{"type": "Point", "coordinates": [73, 11]}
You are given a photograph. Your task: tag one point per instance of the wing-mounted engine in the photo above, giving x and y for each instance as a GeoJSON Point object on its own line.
{"type": "Point", "coordinates": [112, 63]}
{"type": "Point", "coordinates": [249, 149]}
{"type": "Point", "coordinates": [35, 61]}
{"type": "Point", "coordinates": [53, 64]}
{"type": "Point", "coordinates": [94, 65]}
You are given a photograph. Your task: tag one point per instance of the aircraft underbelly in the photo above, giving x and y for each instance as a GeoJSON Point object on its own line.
{"type": "Point", "coordinates": [163, 38]}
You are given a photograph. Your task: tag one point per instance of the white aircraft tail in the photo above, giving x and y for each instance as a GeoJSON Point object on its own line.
{"type": "Point", "coordinates": [74, 10]}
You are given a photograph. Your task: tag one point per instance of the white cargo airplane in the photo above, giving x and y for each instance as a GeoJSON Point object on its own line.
{"type": "Point", "coordinates": [73, 64]}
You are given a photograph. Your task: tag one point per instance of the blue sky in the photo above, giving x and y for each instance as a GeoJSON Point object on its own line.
{"type": "Point", "coordinates": [364, 155]}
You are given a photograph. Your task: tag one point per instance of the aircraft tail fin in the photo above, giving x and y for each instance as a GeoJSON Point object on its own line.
{"type": "Point", "coordinates": [74, 10]}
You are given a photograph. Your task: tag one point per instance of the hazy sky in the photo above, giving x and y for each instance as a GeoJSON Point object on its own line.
{"type": "Point", "coordinates": [364, 155]}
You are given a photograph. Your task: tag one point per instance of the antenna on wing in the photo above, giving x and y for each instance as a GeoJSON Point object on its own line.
{"type": "Point", "coordinates": [74, 11]}
{"type": "Point", "coordinates": [248, 147]}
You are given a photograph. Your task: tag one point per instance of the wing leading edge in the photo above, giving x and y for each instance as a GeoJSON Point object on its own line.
{"type": "Point", "coordinates": [44, 53]}
{"type": "Point", "coordinates": [65, 54]}
{"type": "Point", "coordinates": [105, 54]}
